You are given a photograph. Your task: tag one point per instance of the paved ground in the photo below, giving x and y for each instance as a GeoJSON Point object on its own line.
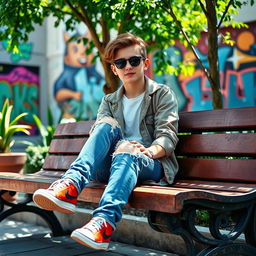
{"type": "Point", "coordinates": [21, 239]}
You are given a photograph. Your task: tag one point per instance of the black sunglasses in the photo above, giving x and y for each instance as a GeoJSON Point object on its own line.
{"type": "Point", "coordinates": [134, 62]}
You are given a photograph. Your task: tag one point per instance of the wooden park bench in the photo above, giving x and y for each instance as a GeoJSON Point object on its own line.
{"type": "Point", "coordinates": [217, 158]}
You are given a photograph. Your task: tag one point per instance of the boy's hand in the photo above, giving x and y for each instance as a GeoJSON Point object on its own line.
{"type": "Point", "coordinates": [154, 151]}
{"type": "Point", "coordinates": [142, 149]}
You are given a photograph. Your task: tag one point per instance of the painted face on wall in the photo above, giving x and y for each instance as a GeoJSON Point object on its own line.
{"type": "Point", "coordinates": [75, 53]}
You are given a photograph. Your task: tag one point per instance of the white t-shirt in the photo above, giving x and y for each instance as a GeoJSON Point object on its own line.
{"type": "Point", "coordinates": [131, 112]}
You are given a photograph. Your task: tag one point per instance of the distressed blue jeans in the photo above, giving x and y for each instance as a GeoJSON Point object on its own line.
{"type": "Point", "coordinates": [102, 160]}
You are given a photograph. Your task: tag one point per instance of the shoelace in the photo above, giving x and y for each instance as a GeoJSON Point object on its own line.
{"type": "Point", "coordinates": [97, 224]}
{"type": "Point", "coordinates": [60, 184]}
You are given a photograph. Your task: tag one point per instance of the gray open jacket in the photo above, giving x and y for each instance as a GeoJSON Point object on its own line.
{"type": "Point", "coordinates": [158, 120]}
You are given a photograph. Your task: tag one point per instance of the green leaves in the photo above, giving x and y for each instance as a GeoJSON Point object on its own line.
{"type": "Point", "coordinates": [46, 132]}
{"type": "Point", "coordinates": [8, 128]}
{"type": "Point", "coordinates": [153, 20]}
{"type": "Point", "coordinates": [35, 158]}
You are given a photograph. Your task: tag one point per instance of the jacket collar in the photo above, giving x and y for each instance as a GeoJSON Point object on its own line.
{"type": "Point", "coordinates": [151, 87]}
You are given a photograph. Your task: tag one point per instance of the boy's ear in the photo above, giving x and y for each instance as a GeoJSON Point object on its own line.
{"type": "Point", "coordinates": [146, 63]}
{"type": "Point", "coordinates": [113, 68]}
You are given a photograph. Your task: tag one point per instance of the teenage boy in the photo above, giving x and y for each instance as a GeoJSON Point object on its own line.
{"type": "Point", "coordinates": [133, 140]}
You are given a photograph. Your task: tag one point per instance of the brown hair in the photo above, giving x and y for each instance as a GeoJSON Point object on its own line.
{"type": "Point", "coordinates": [122, 41]}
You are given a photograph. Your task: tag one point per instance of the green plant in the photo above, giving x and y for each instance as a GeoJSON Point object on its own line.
{"type": "Point", "coordinates": [202, 217]}
{"type": "Point", "coordinates": [35, 158]}
{"type": "Point", "coordinates": [37, 153]}
{"type": "Point", "coordinates": [10, 127]}
{"type": "Point", "coordinates": [46, 132]}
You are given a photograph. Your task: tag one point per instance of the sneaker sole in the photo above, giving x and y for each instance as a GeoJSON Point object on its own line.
{"type": "Point", "coordinates": [84, 240]}
{"type": "Point", "coordinates": [47, 201]}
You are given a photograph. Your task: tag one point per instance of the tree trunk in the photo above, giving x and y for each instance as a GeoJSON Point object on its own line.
{"type": "Point", "coordinates": [213, 55]}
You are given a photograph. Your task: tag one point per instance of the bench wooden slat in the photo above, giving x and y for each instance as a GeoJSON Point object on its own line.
{"type": "Point", "coordinates": [238, 170]}
{"type": "Point", "coordinates": [197, 144]}
{"type": "Point", "coordinates": [81, 128]}
{"type": "Point", "coordinates": [72, 145]}
{"type": "Point", "coordinates": [214, 185]}
{"type": "Point", "coordinates": [218, 119]}
{"type": "Point", "coordinates": [58, 162]}
{"type": "Point", "coordinates": [169, 199]}
{"type": "Point", "coordinates": [190, 168]}
{"type": "Point", "coordinates": [211, 120]}
{"type": "Point", "coordinates": [239, 144]}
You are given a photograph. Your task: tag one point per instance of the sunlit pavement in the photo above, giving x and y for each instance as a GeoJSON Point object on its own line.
{"type": "Point", "coordinates": [12, 232]}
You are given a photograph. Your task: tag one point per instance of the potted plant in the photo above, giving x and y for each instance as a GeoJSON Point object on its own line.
{"type": "Point", "coordinates": [10, 161]}
{"type": "Point", "coordinates": [36, 153]}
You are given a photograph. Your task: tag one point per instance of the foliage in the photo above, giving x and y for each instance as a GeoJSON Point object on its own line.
{"type": "Point", "coordinates": [35, 158]}
{"type": "Point", "coordinates": [10, 127]}
{"type": "Point", "coordinates": [158, 22]}
{"type": "Point", "coordinates": [202, 217]}
{"type": "Point", "coordinates": [46, 132]}
{"type": "Point", "coordinates": [37, 153]}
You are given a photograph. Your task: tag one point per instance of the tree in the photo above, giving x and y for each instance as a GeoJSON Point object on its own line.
{"type": "Point", "coordinates": [215, 13]}
{"type": "Point", "coordinates": [197, 16]}
{"type": "Point", "coordinates": [18, 19]}
{"type": "Point", "coordinates": [158, 22]}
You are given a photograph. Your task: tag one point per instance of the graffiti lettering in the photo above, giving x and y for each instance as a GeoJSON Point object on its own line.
{"type": "Point", "coordinates": [241, 89]}
{"type": "Point", "coordinates": [23, 96]}
{"type": "Point", "coordinates": [237, 74]}
{"type": "Point", "coordinates": [25, 51]}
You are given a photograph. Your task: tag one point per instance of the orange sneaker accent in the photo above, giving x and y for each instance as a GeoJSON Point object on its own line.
{"type": "Point", "coordinates": [95, 234]}
{"type": "Point", "coordinates": [65, 191]}
{"type": "Point", "coordinates": [60, 196]}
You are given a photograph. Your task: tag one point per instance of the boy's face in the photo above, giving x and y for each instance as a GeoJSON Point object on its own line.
{"type": "Point", "coordinates": [129, 73]}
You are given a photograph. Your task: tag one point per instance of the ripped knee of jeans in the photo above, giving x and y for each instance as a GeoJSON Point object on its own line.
{"type": "Point", "coordinates": [125, 146]}
{"type": "Point", "coordinates": [106, 119]}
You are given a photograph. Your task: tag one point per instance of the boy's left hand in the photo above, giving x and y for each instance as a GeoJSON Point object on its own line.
{"type": "Point", "coordinates": [142, 149]}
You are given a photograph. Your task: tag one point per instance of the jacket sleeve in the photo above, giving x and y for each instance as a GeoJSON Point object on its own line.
{"type": "Point", "coordinates": [166, 120]}
{"type": "Point", "coordinates": [104, 109]}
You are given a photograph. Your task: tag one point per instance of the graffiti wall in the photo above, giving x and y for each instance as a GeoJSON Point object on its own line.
{"type": "Point", "coordinates": [237, 65]}
{"type": "Point", "coordinates": [78, 89]}
{"type": "Point", "coordinates": [72, 82]}
{"type": "Point", "coordinates": [20, 84]}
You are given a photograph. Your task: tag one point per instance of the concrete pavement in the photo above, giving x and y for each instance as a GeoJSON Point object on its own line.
{"type": "Point", "coordinates": [21, 238]}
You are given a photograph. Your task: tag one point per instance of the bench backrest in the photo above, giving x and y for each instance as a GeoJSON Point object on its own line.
{"type": "Point", "coordinates": [214, 145]}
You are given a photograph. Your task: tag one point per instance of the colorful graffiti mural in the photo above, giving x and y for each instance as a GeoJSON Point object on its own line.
{"type": "Point", "coordinates": [24, 51]}
{"type": "Point", "coordinates": [21, 85]}
{"type": "Point", "coordinates": [237, 72]}
{"type": "Point", "coordinates": [79, 88]}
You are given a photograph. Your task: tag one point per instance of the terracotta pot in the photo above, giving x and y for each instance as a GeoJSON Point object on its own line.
{"type": "Point", "coordinates": [12, 162]}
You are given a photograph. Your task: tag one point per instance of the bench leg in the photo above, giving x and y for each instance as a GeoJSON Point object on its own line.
{"type": "Point", "coordinates": [216, 242]}
{"type": "Point", "coordinates": [48, 216]}
{"type": "Point", "coordinates": [250, 232]}
{"type": "Point", "coordinates": [167, 223]}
